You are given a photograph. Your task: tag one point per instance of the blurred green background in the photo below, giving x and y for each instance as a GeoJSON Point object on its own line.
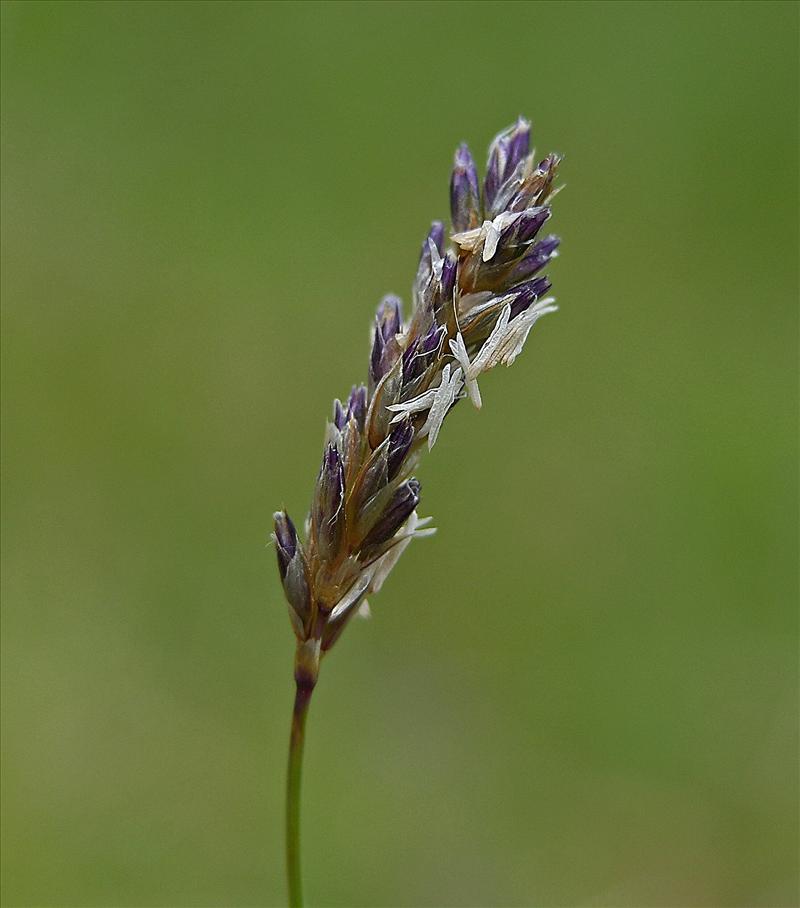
{"type": "Point", "coordinates": [583, 690]}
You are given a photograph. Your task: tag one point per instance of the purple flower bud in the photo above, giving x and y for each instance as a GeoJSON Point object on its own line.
{"type": "Point", "coordinates": [425, 267]}
{"type": "Point", "coordinates": [395, 514]}
{"type": "Point", "coordinates": [508, 148]}
{"type": "Point", "coordinates": [331, 484]}
{"type": "Point", "coordinates": [331, 462]}
{"type": "Point", "coordinates": [376, 356]}
{"type": "Point", "coordinates": [328, 502]}
{"type": "Point", "coordinates": [339, 415]}
{"type": "Point", "coordinates": [285, 540]}
{"type": "Point", "coordinates": [519, 142]}
{"type": "Point", "coordinates": [388, 323]}
{"type": "Point", "coordinates": [436, 234]}
{"type": "Point", "coordinates": [292, 568]}
{"type": "Point", "coordinates": [518, 233]}
{"type": "Point", "coordinates": [390, 316]}
{"type": "Point", "coordinates": [400, 439]}
{"type": "Point", "coordinates": [529, 293]}
{"type": "Point", "coordinates": [535, 258]}
{"type": "Point", "coordinates": [448, 281]}
{"type": "Point", "coordinates": [495, 170]}
{"type": "Point", "coordinates": [417, 357]}
{"type": "Point", "coordinates": [426, 282]}
{"type": "Point", "coordinates": [357, 405]}
{"type": "Point", "coordinates": [530, 223]}
{"type": "Point", "coordinates": [505, 167]}
{"type": "Point", "coordinates": [464, 191]}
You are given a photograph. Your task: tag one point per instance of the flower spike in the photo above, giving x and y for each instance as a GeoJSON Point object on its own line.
{"type": "Point", "coordinates": [474, 305]}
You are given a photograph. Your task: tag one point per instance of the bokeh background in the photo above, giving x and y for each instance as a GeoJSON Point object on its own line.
{"type": "Point", "coordinates": [583, 691]}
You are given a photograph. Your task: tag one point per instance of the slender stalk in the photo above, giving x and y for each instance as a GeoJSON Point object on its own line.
{"type": "Point", "coordinates": [293, 779]}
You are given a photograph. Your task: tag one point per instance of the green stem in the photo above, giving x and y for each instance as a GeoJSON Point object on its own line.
{"type": "Point", "coordinates": [301, 700]}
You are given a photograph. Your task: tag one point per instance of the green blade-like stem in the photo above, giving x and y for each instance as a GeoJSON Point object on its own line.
{"type": "Point", "coordinates": [293, 780]}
